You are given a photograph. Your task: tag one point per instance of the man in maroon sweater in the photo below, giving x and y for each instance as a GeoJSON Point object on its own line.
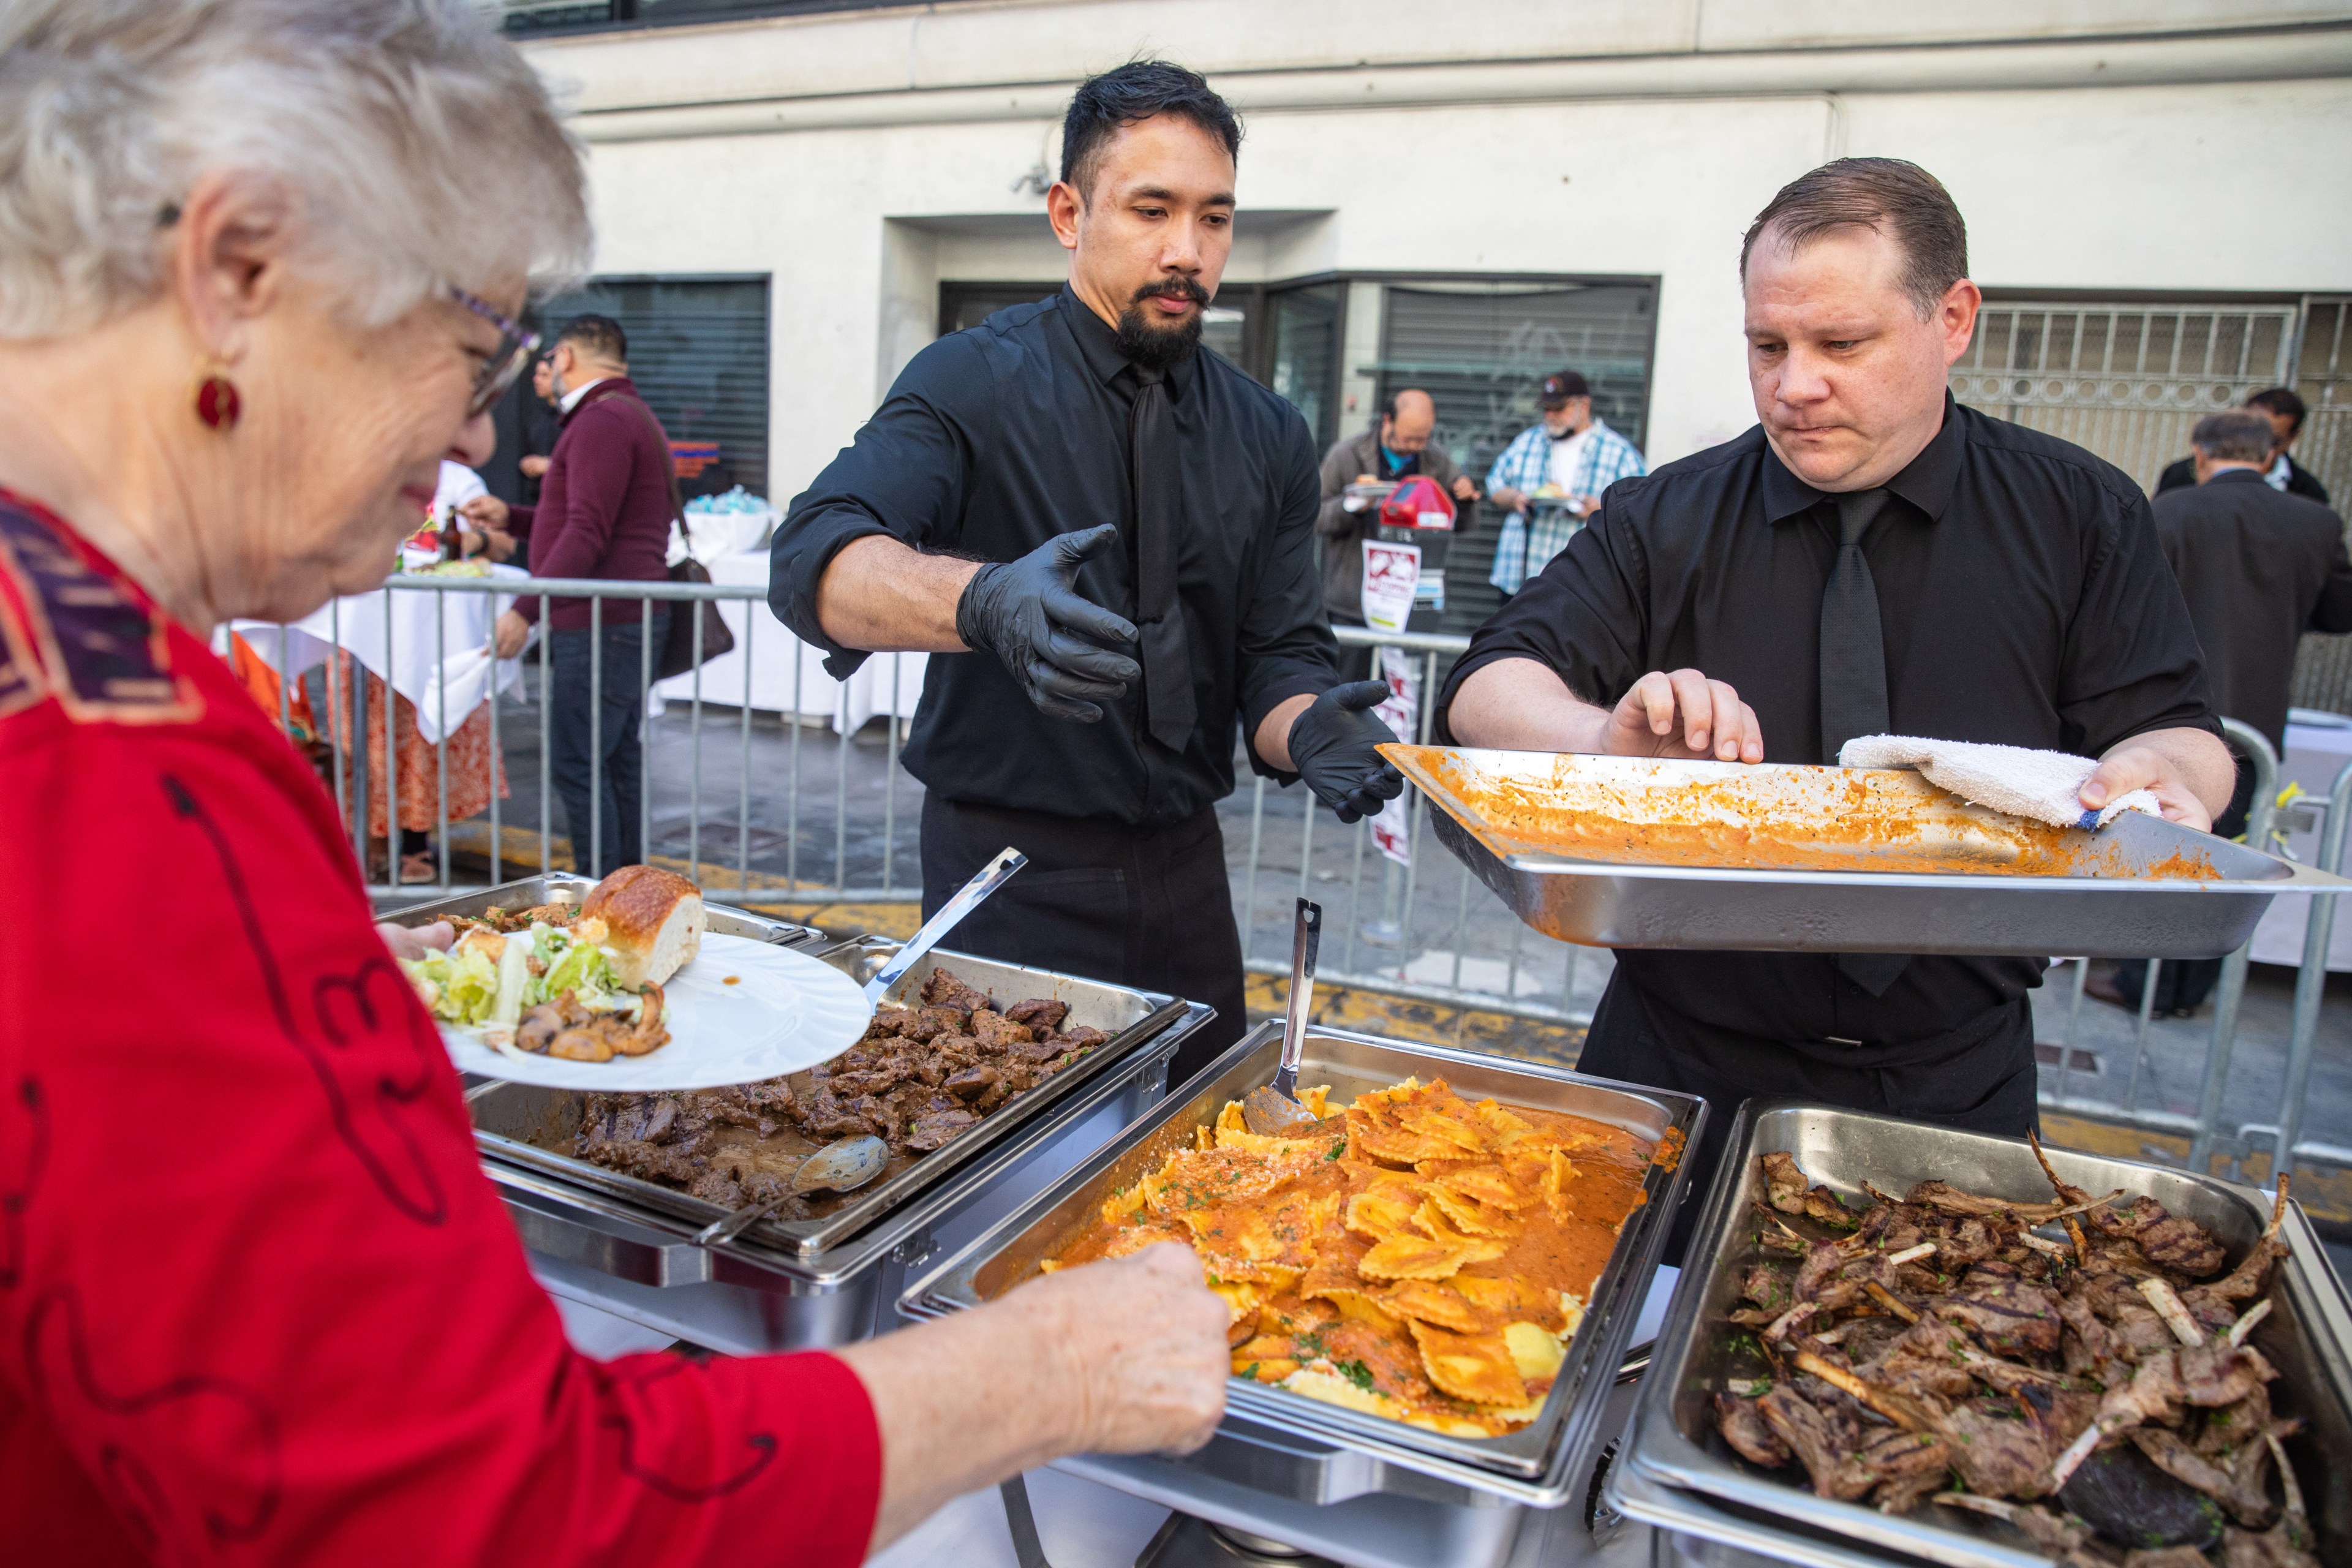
{"type": "Point", "coordinates": [604, 510]}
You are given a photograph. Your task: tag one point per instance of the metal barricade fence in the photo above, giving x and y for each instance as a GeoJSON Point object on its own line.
{"type": "Point", "coordinates": [1487, 959]}
{"type": "Point", "coordinates": [1534, 976]}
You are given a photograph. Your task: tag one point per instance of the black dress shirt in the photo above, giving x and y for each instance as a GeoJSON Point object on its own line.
{"type": "Point", "coordinates": [2300, 480]}
{"type": "Point", "coordinates": [2259, 568]}
{"type": "Point", "coordinates": [2022, 599]}
{"type": "Point", "coordinates": [997, 440]}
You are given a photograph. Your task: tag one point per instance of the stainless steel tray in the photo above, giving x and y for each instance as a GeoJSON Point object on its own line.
{"type": "Point", "coordinates": [534, 1128]}
{"type": "Point", "coordinates": [1700, 1530]}
{"type": "Point", "coordinates": [2114, 908]}
{"type": "Point", "coordinates": [746, 1299]}
{"type": "Point", "coordinates": [1673, 1441]}
{"type": "Point", "coordinates": [1539, 1464]}
{"type": "Point", "coordinates": [564, 888]}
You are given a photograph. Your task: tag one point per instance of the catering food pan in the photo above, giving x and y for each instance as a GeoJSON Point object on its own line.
{"type": "Point", "coordinates": [564, 888]}
{"type": "Point", "coordinates": [1541, 1463]}
{"type": "Point", "coordinates": [535, 1128]}
{"type": "Point", "coordinates": [1673, 1441]}
{"type": "Point", "coordinates": [1835, 860]}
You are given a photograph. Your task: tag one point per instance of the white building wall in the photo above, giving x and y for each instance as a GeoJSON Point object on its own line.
{"type": "Point", "coordinates": [1604, 138]}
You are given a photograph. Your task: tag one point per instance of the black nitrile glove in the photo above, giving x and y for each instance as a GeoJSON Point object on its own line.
{"type": "Point", "coordinates": [1027, 613]}
{"type": "Point", "coordinates": [1332, 746]}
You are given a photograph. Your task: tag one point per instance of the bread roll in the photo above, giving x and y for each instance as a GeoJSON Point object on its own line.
{"type": "Point", "coordinates": [653, 921]}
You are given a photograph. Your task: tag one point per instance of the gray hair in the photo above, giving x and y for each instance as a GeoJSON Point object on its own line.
{"type": "Point", "coordinates": [2234, 436]}
{"type": "Point", "coordinates": [417, 145]}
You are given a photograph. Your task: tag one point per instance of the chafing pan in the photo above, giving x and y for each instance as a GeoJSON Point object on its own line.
{"type": "Point", "coordinates": [534, 1128]}
{"type": "Point", "coordinates": [1673, 1442]}
{"type": "Point", "coordinates": [1540, 1464]}
{"type": "Point", "coordinates": [564, 888]}
{"type": "Point", "coordinates": [2122, 897]}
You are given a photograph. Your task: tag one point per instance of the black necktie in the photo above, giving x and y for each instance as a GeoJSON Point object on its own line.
{"type": "Point", "coordinates": [1168, 706]}
{"type": "Point", "coordinates": [1853, 682]}
{"type": "Point", "coordinates": [1853, 652]}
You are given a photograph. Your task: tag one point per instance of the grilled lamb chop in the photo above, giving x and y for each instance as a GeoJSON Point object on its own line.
{"type": "Point", "coordinates": [2215, 1303]}
{"type": "Point", "coordinates": [2245, 1494]}
{"type": "Point", "coordinates": [1744, 1427]}
{"type": "Point", "coordinates": [1824, 1437]}
{"type": "Point", "coordinates": [2012, 1315]}
{"type": "Point", "coordinates": [2223, 1372]}
{"type": "Point", "coordinates": [2289, 1543]}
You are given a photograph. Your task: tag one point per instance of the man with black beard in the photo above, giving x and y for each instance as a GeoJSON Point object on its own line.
{"type": "Point", "coordinates": [1110, 538]}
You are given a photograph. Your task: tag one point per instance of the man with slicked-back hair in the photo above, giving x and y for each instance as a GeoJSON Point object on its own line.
{"type": "Point", "coordinates": [1871, 558]}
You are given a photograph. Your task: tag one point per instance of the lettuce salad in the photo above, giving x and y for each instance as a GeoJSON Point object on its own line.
{"type": "Point", "coordinates": [486, 979]}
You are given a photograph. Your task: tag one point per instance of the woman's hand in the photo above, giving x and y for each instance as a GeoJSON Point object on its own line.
{"type": "Point", "coordinates": [1124, 1356]}
{"type": "Point", "coordinates": [533, 464]}
{"type": "Point", "coordinates": [1142, 1341]}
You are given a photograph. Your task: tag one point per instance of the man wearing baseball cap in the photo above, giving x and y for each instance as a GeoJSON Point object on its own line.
{"type": "Point", "coordinates": [1551, 478]}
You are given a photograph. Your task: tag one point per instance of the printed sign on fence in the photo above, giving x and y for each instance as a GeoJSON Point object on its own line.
{"type": "Point", "coordinates": [1400, 711]}
{"type": "Point", "coordinates": [1391, 574]}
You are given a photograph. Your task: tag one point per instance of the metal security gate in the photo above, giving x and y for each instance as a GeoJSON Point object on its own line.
{"type": "Point", "coordinates": [2129, 382]}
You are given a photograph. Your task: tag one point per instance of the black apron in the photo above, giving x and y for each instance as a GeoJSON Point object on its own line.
{"type": "Point", "coordinates": [1980, 1077]}
{"type": "Point", "coordinates": [1146, 907]}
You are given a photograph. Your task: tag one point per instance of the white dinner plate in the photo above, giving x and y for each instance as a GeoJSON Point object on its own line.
{"type": "Point", "coordinates": [785, 1011]}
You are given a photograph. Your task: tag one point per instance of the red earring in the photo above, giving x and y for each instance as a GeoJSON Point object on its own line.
{"type": "Point", "coordinates": [217, 404]}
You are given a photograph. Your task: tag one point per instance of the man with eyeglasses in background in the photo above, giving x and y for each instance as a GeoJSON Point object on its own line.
{"type": "Point", "coordinates": [1394, 448]}
{"type": "Point", "coordinates": [604, 510]}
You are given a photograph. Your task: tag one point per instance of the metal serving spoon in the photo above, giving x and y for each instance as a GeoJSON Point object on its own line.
{"type": "Point", "coordinates": [967, 898]}
{"type": "Point", "coordinates": [837, 1167]}
{"type": "Point", "coordinates": [1273, 1108]}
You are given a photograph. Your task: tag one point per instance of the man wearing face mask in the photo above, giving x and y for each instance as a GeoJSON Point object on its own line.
{"type": "Point", "coordinates": [1111, 537]}
{"type": "Point", "coordinates": [605, 510]}
{"type": "Point", "coordinates": [1871, 558]}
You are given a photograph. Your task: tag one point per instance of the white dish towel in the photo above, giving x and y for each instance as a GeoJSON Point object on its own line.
{"type": "Point", "coordinates": [2044, 785]}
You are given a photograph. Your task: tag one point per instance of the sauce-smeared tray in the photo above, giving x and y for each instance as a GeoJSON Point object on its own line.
{"type": "Point", "coordinates": [1648, 853]}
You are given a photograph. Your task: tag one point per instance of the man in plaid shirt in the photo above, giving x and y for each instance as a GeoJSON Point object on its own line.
{"type": "Point", "coordinates": [1570, 450]}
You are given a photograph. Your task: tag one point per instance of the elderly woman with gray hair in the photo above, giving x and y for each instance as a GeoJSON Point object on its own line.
{"type": "Point", "coordinates": [258, 260]}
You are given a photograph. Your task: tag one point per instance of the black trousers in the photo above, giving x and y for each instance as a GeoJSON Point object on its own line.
{"type": "Point", "coordinates": [607, 791]}
{"type": "Point", "coordinates": [1146, 907]}
{"type": "Point", "coordinates": [1980, 1076]}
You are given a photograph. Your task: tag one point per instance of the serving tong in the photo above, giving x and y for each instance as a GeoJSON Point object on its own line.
{"type": "Point", "coordinates": [968, 898]}
{"type": "Point", "coordinates": [1271, 1109]}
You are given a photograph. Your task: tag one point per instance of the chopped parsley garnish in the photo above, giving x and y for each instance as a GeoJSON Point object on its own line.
{"type": "Point", "coordinates": [1356, 1372]}
{"type": "Point", "coordinates": [1336, 1150]}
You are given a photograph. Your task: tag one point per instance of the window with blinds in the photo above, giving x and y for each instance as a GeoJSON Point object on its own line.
{"type": "Point", "coordinates": [699, 355]}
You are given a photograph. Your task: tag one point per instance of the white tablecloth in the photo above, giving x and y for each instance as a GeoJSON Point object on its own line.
{"type": "Point", "coordinates": [2316, 753]}
{"type": "Point", "coordinates": [886, 683]}
{"type": "Point", "coordinates": [415, 668]}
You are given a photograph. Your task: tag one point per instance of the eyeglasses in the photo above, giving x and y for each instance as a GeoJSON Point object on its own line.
{"type": "Point", "coordinates": [498, 371]}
